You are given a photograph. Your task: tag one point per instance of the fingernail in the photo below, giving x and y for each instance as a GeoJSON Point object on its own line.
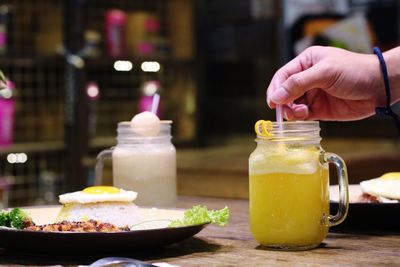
{"type": "Point", "coordinates": [280, 96]}
{"type": "Point", "coordinates": [288, 114]}
{"type": "Point", "coordinates": [269, 103]}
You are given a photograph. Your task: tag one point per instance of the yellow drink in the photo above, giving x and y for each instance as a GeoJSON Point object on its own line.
{"type": "Point", "coordinates": [288, 198]}
{"type": "Point", "coordinates": [289, 186]}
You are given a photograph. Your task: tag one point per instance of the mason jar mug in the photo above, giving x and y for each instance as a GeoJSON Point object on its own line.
{"type": "Point", "coordinates": [144, 164]}
{"type": "Point", "coordinates": [289, 186]}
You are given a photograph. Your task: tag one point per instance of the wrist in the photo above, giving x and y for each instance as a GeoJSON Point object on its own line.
{"type": "Point", "coordinates": [392, 59]}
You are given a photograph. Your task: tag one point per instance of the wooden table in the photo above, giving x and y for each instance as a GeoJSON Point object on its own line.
{"type": "Point", "coordinates": [233, 245]}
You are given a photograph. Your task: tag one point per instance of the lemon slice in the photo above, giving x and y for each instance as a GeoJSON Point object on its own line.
{"type": "Point", "coordinates": [263, 128]}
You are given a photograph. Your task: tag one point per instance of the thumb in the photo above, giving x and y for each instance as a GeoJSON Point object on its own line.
{"type": "Point", "coordinates": [298, 84]}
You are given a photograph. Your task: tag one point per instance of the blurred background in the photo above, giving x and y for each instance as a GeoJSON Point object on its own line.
{"type": "Point", "coordinates": [78, 67]}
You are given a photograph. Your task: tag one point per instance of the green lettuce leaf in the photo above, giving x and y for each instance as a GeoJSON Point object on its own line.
{"type": "Point", "coordinates": [200, 214]}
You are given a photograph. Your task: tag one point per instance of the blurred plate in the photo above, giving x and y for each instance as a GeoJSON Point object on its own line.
{"type": "Point", "coordinates": [94, 242]}
{"type": "Point", "coordinates": [366, 216]}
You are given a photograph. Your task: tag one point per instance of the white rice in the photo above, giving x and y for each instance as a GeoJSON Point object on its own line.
{"type": "Point", "coordinates": [118, 213]}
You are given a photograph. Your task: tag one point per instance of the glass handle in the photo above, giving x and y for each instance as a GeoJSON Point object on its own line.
{"type": "Point", "coordinates": [341, 170]}
{"type": "Point", "coordinates": [100, 165]}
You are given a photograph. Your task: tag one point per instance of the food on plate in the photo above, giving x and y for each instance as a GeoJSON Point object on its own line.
{"type": "Point", "coordinates": [366, 198]}
{"type": "Point", "coordinates": [107, 209]}
{"type": "Point", "coordinates": [385, 189]}
{"type": "Point", "coordinates": [87, 226]}
{"type": "Point", "coordinates": [15, 218]}
{"type": "Point", "coordinates": [200, 215]}
{"type": "Point", "coordinates": [98, 194]}
{"type": "Point", "coordinates": [106, 204]}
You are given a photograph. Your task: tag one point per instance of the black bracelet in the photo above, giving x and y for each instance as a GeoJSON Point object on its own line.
{"type": "Point", "coordinates": [386, 110]}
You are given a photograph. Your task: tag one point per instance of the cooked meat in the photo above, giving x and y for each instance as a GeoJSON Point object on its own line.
{"type": "Point", "coordinates": [88, 226]}
{"type": "Point", "coordinates": [367, 198]}
{"type": "Point", "coordinates": [29, 223]}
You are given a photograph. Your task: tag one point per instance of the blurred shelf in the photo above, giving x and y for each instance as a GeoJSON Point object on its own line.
{"type": "Point", "coordinates": [30, 60]}
{"type": "Point", "coordinates": [109, 141]}
{"type": "Point", "coordinates": [33, 147]}
{"type": "Point", "coordinates": [46, 87]}
{"type": "Point", "coordinates": [136, 62]}
{"type": "Point", "coordinates": [102, 142]}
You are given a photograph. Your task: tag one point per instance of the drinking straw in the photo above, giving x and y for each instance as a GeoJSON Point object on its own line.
{"type": "Point", "coordinates": [154, 104]}
{"type": "Point", "coordinates": [279, 118]}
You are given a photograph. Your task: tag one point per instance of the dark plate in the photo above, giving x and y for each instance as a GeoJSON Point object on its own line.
{"type": "Point", "coordinates": [65, 242]}
{"type": "Point", "coordinates": [382, 217]}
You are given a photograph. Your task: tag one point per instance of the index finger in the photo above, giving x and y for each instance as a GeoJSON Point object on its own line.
{"type": "Point", "coordinates": [296, 65]}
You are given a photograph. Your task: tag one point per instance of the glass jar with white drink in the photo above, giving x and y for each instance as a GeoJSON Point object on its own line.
{"type": "Point", "coordinates": [144, 160]}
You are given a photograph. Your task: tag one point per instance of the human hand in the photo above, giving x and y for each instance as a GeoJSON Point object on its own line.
{"type": "Point", "coordinates": [326, 83]}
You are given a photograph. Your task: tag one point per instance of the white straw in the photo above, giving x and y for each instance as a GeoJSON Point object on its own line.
{"type": "Point", "coordinates": [279, 118]}
{"type": "Point", "coordinates": [154, 105]}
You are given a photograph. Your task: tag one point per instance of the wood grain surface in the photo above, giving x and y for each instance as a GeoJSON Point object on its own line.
{"type": "Point", "coordinates": [233, 245]}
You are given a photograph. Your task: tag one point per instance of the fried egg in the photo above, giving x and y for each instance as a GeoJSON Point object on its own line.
{"type": "Point", "coordinates": [96, 194]}
{"type": "Point", "coordinates": [387, 186]}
